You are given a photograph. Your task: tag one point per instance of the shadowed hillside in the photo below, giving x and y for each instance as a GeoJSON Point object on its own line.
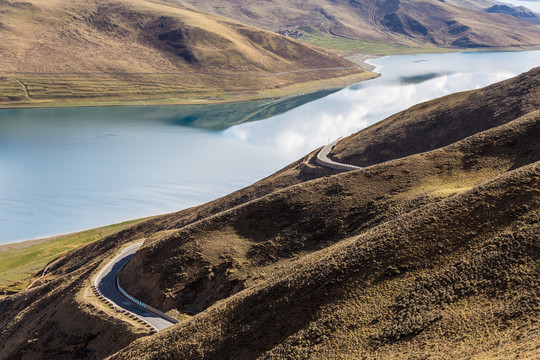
{"type": "Point", "coordinates": [414, 256]}
{"type": "Point", "coordinates": [74, 53]}
{"type": "Point", "coordinates": [360, 260]}
{"type": "Point", "coordinates": [519, 12]}
{"type": "Point", "coordinates": [425, 126]}
{"type": "Point", "coordinates": [413, 23]}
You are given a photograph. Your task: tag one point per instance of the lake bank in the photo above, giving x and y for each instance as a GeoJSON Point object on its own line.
{"type": "Point", "coordinates": [166, 89]}
{"type": "Point", "coordinates": [75, 90]}
{"type": "Point", "coordinates": [23, 259]}
{"type": "Point", "coordinates": [69, 169]}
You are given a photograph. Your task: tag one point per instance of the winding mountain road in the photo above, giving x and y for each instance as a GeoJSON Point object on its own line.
{"type": "Point", "coordinates": [323, 159]}
{"type": "Point", "coordinates": [106, 283]}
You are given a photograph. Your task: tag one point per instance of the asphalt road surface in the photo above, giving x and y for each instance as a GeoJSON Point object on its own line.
{"type": "Point", "coordinates": [106, 284]}
{"type": "Point", "coordinates": [323, 159]}
{"type": "Point", "coordinates": [106, 279]}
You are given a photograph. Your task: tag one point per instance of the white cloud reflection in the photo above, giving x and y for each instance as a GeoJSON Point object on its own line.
{"type": "Point", "coordinates": [303, 129]}
{"type": "Point", "coordinates": [64, 170]}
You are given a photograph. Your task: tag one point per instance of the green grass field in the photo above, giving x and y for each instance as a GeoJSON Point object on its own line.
{"type": "Point", "coordinates": [19, 261]}
{"type": "Point", "coordinates": [346, 46]}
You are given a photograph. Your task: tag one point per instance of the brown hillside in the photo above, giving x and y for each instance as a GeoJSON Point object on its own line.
{"type": "Point", "coordinates": [127, 49]}
{"type": "Point", "coordinates": [425, 126]}
{"type": "Point", "coordinates": [413, 257]}
{"type": "Point", "coordinates": [406, 22]}
{"type": "Point", "coordinates": [361, 260]}
{"type": "Point", "coordinates": [232, 248]}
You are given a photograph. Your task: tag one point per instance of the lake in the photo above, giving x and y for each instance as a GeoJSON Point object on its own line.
{"type": "Point", "coordinates": [64, 170]}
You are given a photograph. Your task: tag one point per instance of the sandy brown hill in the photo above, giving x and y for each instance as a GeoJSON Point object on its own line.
{"type": "Point", "coordinates": [360, 261]}
{"type": "Point", "coordinates": [415, 256]}
{"type": "Point", "coordinates": [425, 126]}
{"type": "Point", "coordinates": [407, 22]}
{"type": "Point", "coordinates": [425, 283]}
{"type": "Point", "coordinates": [141, 36]}
{"type": "Point", "coordinates": [129, 48]}
{"type": "Point", "coordinates": [196, 265]}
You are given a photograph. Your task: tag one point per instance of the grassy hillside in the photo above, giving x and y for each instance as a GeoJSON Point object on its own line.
{"type": "Point", "coordinates": [430, 255]}
{"type": "Point", "coordinates": [402, 250]}
{"type": "Point", "coordinates": [428, 280]}
{"type": "Point", "coordinates": [83, 52]}
{"type": "Point", "coordinates": [20, 261]}
{"type": "Point", "coordinates": [377, 24]}
{"type": "Point", "coordinates": [425, 126]}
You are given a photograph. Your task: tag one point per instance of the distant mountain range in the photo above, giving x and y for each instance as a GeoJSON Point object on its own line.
{"type": "Point", "coordinates": [496, 7]}
{"type": "Point", "coordinates": [519, 12]}
{"type": "Point", "coordinates": [452, 23]}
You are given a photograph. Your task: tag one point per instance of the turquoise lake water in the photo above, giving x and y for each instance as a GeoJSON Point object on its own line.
{"type": "Point", "coordinates": [64, 170]}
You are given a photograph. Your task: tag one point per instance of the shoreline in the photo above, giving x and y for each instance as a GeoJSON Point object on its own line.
{"type": "Point", "coordinates": [20, 261]}
{"type": "Point", "coordinates": [229, 97]}
{"type": "Point", "coordinates": [211, 98]}
{"type": "Point", "coordinates": [22, 244]}
{"type": "Point", "coordinates": [337, 83]}
{"type": "Point", "coordinates": [35, 242]}
{"type": "Point", "coordinates": [361, 60]}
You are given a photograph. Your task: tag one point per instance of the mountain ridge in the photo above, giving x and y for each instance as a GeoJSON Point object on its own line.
{"type": "Point", "coordinates": [414, 23]}
{"type": "Point", "coordinates": [519, 12]}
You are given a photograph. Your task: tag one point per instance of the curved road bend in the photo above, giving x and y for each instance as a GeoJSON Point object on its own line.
{"type": "Point", "coordinates": [323, 159]}
{"type": "Point", "coordinates": [106, 279]}
{"type": "Point", "coordinates": [106, 284]}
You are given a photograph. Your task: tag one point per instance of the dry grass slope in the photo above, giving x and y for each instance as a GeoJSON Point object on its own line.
{"type": "Point", "coordinates": [412, 23]}
{"type": "Point", "coordinates": [430, 255]}
{"type": "Point", "coordinates": [376, 274]}
{"type": "Point", "coordinates": [425, 126]}
{"type": "Point", "coordinates": [86, 51]}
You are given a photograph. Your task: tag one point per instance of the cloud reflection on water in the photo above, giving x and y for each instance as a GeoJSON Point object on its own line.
{"type": "Point", "coordinates": [303, 129]}
{"type": "Point", "coordinates": [63, 170]}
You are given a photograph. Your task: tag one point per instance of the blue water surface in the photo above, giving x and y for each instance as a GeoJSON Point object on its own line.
{"type": "Point", "coordinates": [64, 170]}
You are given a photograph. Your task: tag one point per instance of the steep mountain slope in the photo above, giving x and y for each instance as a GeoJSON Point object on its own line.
{"type": "Point", "coordinates": [406, 22]}
{"type": "Point", "coordinates": [412, 257]}
{"type": "Point", "coordinates": [467, 113]}
{"type": "Point", "coordinates": [428, 282]}
{"type": "Point", "coordinates": [471, 4]}
{"type": "Point", "coordinates": [519, 12]}
{"type": "Point", "coordinates": [129, 48]}
{"type": "Point", "coordinates": [402, 250]}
